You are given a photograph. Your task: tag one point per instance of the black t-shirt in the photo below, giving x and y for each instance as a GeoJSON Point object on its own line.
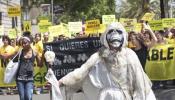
{"type": "Point", "coordinates": [26, 68]}
{"type": "Point", "coordinates": [142, 55]}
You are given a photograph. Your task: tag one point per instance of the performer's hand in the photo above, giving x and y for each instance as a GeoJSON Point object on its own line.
{"type": "Point", "coordinates": [48, 85]}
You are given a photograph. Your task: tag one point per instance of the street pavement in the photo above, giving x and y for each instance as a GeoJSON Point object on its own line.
{"type": "Point", "coordinates": [16, 97]}
{"type": "Point", "coordinates": [161, 94]}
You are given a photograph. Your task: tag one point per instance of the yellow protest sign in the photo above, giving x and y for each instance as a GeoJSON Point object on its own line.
{"type": "Point", "coordinates": [100, 30]}
{"type": "Point", "coordinates": [55, 30]}
{"type": "Point", "coordinates": [39, 77]}
{"type": "Point", "coordinates": [168, 22]}
{"type": "Point", "coordinates": [156, 25]}
{"type": "Point", "coordinates": [92, 25]}
{"type": "Point", "coordinates": [148, 16]}
{"type": "Point", "coordinates": [74, 27]}
{"type": "Point", "coordinates": [107, 19]}
{"type": "Point", "coordinates": [27, 26]}
{"type": "Point", "coordinates": [1, 30]}
{"type": "Point", "coordinates": [160, 62]}
{"type": "Point", "coordinates": [14, 11]}
{"type": "Point", "coordinates": [43, 26]}
{"type": "Point", "coordinates": [65, 30]}
{"type": "Point", "coordinates": [12, 33]}
{"type": "Point", "coordinates": [44, 21]}
{"type": "Point", "coordinates": [128, 23]}
{"type": "Point", "coordinates": [138, 27]}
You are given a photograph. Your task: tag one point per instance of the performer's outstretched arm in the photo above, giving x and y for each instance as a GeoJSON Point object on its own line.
{"type": "Point", "coordinates": [80, 73]}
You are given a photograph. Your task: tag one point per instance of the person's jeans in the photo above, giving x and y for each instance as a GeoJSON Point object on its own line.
{"type": "Point", "coordinates": [25, 89]}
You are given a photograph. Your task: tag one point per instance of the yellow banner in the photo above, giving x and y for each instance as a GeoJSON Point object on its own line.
{"type": "Point", "coordinates": [107, 19]}
{"type": "Point", "coordinates": [168, 22]}
{"type": "Point", "coordinates": [14, 11]}
{"type": "Point", "coordinates": [148, 16]}
{"type": "Point", "coordinates": [160, 63]}
{"type": "Point", "coordinates": [156, 25]}
{"type": "Point", "coordinates": [92, 25]}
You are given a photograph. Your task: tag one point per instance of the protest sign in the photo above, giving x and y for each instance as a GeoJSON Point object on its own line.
{"type": "Point", "coordinates": [128, 23]}
{"type": "Point", "coordinates": [71, 54]}
{"type": "Point", "coordinates": [14, 11]}
{"type": "Point", "coordinates": [160, 62]}
{"type": "Point", "coordinates": [75, 27]}
{"type": "Point", "coordinates": [148, 16]}
{"type": "Point", "coordinates": [92, 25]}
{"type": "Point", "coordinates": [107, 19]}
{"type": "Point", "coordinates": [156, 25]}
{"type": "Point", "coordinates": [168, 22]}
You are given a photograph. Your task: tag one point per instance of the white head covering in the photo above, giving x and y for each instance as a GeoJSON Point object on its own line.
{"type": "Point", "coordinates": [118, 26]}
{"type": "Point", "coordinates": [27, 38]}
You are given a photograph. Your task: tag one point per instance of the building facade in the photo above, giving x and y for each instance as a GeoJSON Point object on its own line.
{"type": "Point", "coordinates": [7, 22]}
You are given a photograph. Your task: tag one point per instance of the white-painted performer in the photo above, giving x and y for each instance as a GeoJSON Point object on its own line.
{"type": "Point", "coordinates": [112, 73]}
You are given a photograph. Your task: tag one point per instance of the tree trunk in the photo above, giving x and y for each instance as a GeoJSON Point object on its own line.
{"type": "Point", "coordinates": [162, 9]}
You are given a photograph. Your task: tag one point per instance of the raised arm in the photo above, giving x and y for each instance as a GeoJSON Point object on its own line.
{"type": "Point", "coordinates": [147, 27]}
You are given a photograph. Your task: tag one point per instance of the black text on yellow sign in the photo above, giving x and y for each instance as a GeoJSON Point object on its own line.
{"type": "Point", "coordinates": [27, 25]}
{"type": "Point", "coordinates": [92, 24]}
{"type": "Point", "coordinates": [14, 11]}
{"type": "Point", "coordinates": [158, 54]}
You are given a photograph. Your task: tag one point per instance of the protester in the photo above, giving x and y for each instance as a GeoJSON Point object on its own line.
{"type": "Point", "coordinates": [38, 44]}
{"type": "Point", "coordinates": [141, 42]}
{"type": "Point", "coordinates": [13, 43]}
{"type": "Point", "coordinates": [46, 37]}
{"type": "Point", "coordinates": [161, 38]}
{"type": "Point", "coordinates": [61, 37]}
{"type": "Point", "coordinates": [114, 71]}
{"type": "Point", "coordinates": [24, 77]}
{"type": "Point", "coordinates": [172, 39]}
{"type": "Point", "coordinates": [6, 51]}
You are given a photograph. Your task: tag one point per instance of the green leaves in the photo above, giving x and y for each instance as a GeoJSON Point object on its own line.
{"type": "Point", "coordinates": [75, 10]}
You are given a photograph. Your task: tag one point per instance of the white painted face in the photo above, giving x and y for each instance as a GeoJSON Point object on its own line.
{"type": "Point", "coordinates": [115, 38]}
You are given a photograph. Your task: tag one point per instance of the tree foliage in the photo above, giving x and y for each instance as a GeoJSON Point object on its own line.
{"type": "Point", "coordinates": [137, 8]}
{"type": "Point", "coordinates": [75, 10]}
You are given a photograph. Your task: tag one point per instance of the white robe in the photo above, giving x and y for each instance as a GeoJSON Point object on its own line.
{"type": "Point", "coordinates": [109, 75]}
{"type": "Point", "coordinates": [115, 76]}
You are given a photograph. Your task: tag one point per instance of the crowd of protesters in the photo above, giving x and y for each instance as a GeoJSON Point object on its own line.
{"type": "Point", "coordinates": [139, 42]}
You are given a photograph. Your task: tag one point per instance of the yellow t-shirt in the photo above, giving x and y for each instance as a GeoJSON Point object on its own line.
{"type": "Point", "coordinates": [6, 50]}
{"type": "Point", "coordinates": [39, 48]}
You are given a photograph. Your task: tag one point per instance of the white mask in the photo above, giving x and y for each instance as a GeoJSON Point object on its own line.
{"type": "Point", "coordinates": [115, 38]}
